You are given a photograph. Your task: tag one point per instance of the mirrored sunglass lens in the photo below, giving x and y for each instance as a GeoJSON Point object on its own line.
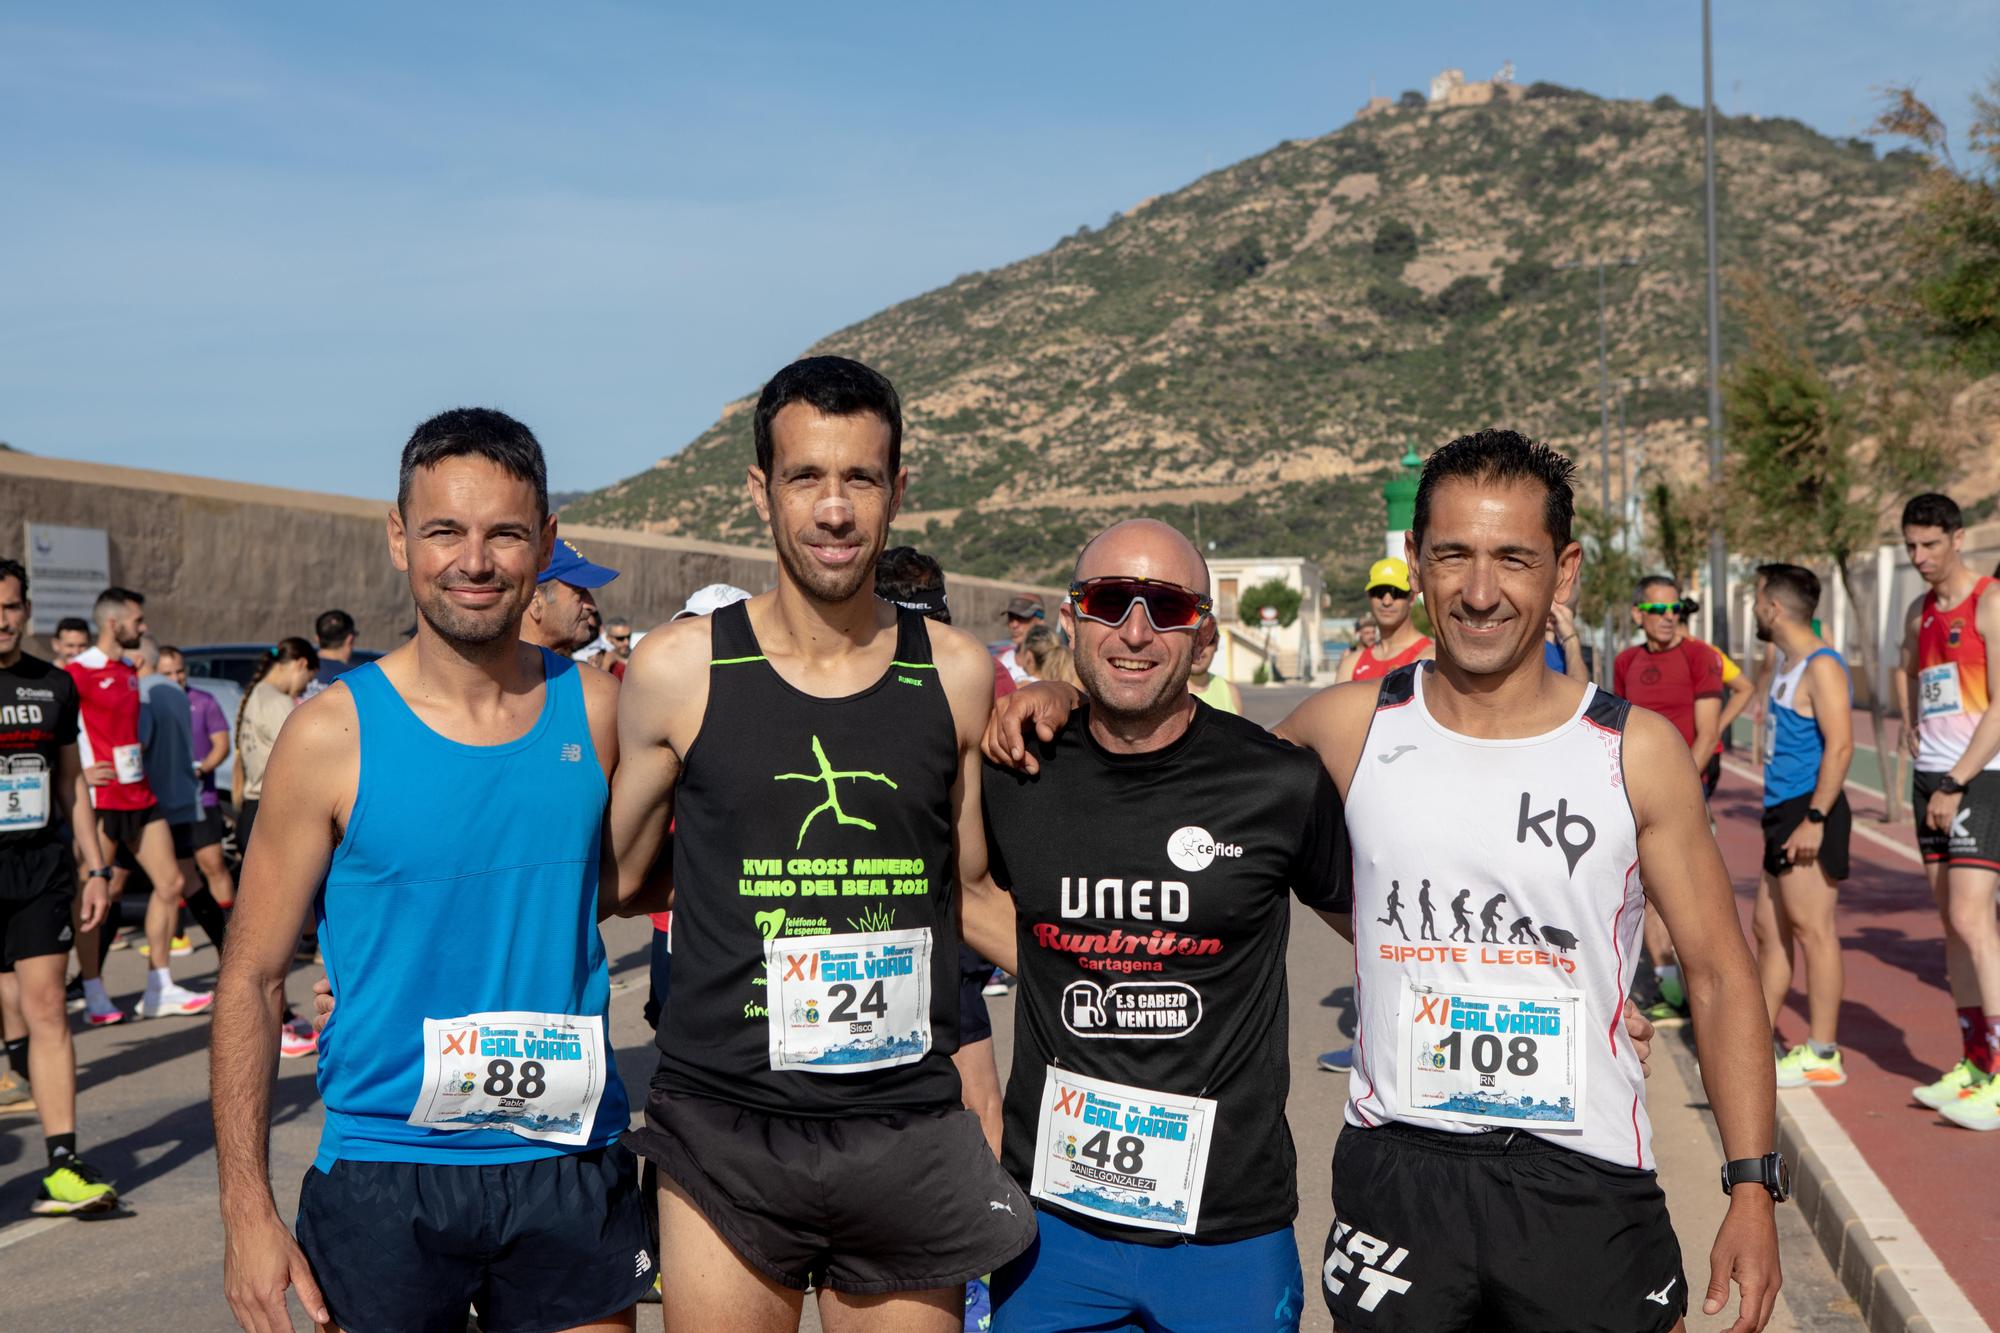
{"type": "Point", "coordinates": [1169, 608]}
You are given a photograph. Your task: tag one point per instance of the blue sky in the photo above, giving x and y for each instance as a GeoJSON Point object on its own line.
{"type": "Point", "coordinates": [262, 242]}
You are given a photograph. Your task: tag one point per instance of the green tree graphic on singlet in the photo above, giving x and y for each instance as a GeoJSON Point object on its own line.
{"type": "Point", "coordinates": [830, 775]}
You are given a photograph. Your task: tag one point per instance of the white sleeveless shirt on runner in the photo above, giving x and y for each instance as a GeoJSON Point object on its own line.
{"type": "Point", "coordinates": [1497, 912]}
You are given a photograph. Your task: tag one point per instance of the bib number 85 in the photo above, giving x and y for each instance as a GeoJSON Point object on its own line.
{"type": "Point", "coordinates": [500, 1080]}
{"type": "Point", "coordinates": [1522, 1059]}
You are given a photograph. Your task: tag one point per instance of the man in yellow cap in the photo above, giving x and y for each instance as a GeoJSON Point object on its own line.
{"type": "Point", "coordinates": [1400, 643]}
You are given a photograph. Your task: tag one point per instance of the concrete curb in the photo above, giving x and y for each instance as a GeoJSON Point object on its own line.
{"type": "Point", "coordinates": [1877, 1252]}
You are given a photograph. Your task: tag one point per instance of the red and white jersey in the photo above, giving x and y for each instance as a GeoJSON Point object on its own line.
{"type": "Point", "coordinates": [1953, 692]}
{"type": "Point", "coordinates": [107, 696]}
{"type": "Point", "coordinates": [1497, 912]}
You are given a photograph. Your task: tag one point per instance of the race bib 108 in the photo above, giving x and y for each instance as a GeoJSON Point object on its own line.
{"type": "Point", "coordinates": [1493, 1055]}
{"type": "Point", "coordinates": [841, 1004]}
{"type": "Point", "coordinates": [536, 1075]}
{"type": "Point", "coordinates": [1122, 1154]}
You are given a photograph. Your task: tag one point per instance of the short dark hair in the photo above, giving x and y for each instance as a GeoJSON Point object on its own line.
{"type": "Point", "coordinates": [491, 435]}
{"type": "Point", "coordinates": [906, 576]}
{"type": "Point", "coordinates": [14, 569]}
{"type": "Point", "coordinates": [1794, 585]}
{"type": "Point", "coordinates": [332, 628]}
{"type": "Point", "coordinates": [1654, 581]}
{"type": "Point", "coordinates": [833, 386]}
{"type": "Point", "coordinates": [1501, 456]}
{"type": "Point", "coordinates": [73, 625]}
{"type": "Point", "coordinates": [1931, 510]}
{"type": "Point", "coordinates": [112, 599]}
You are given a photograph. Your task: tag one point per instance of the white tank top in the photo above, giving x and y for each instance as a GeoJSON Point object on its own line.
{"type": "Point", "coordinates": [1497, 911]}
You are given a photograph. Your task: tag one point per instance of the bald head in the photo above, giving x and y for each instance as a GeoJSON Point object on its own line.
{"type": "Point", "coordinates": [1143, 548]}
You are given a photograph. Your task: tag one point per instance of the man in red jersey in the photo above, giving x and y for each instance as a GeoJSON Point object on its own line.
{"type": "Point", "coordinates": [128, 815]}
{"type": "Point", "coordinates": [1951, 640]}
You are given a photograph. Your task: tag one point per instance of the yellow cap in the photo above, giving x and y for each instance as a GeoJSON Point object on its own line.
{"type": "Point", "coordinates": [1388, 572]}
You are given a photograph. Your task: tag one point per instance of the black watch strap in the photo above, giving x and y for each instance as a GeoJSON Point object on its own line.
{"type": "Point", "coordinates": [1950, 785]}
{"type": "Point", "coordinates": [1768, 1171]}
{"type": "Point", "coordinates": [102, 872]}
{"type": "Point", "coordinates": [1815, 816]}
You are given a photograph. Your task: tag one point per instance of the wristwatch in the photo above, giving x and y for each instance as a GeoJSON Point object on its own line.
{"type": "Point", "coordinates": [1950, 785]}
{"type": "Point", "coordinates": [1769, 1171]}
{"type": "Point", "coordinates": [1814, 816]}
{"type": "Point", "coordinates": [102, 872]}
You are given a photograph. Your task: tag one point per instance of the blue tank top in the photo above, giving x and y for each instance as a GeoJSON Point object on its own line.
{"type": "Point", "coordinates": [465, 891]}
{"type": "Point", "coordinates": [1793, 745]}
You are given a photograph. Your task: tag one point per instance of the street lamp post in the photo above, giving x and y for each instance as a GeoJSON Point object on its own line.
{"type": "Point", "coordinates": [1718, 555]}
{"type": "Point", "coordinates": [1604, 406]}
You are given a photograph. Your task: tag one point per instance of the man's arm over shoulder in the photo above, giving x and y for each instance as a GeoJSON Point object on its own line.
{"type": "Point", "coordinates": [986, 912]}
{"type": "Point", "coordinates": [659, 712]}
{"type": "Point", "coordinates": [1334, 725]}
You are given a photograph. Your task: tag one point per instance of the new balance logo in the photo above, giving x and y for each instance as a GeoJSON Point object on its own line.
{"type": "Point", "coordinates": [572, 753]}
{"type": "Point", "coordinates": [642, 1263]}
{"type": "Point", "coordinates": [1660, 1297]}
{"type": "Point", "coordinates": [1395, 754]}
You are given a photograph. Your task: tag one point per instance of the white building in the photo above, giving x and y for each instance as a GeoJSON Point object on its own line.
{"type": "Point", "coordinates": [1295, 649]}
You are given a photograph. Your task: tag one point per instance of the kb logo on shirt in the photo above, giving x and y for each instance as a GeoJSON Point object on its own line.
{"type": "Point", "coordinates": [1573, 848]}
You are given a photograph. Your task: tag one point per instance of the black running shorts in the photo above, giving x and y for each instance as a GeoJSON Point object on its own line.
{"type": "Point", "coordinates": [867, 1204]}
{"type": "Point", "coordinates": [37, 884]}
{"type": "Point", "coordinates": [1711, 776]}
{"type": "Point", "coordinates": [1500, 1232]}
{"type": "Point", "coordinates": [406, 1247]}
{"type": "Point", "coordinates": [1783, 819]}
{"type": "Point", "coordinates": [1974, 837]}
{"type": "Point", "coordinates": [125, 826]}
{"type": "Point", "coordinates": [975, 1023]}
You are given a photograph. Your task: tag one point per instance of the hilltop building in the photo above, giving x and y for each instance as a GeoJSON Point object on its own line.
{"type": "Point", "coordinates": [1449, 90]}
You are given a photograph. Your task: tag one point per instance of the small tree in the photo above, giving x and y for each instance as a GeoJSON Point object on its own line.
{"type": "Point", "coordinates": [1796, 476]}
{"type": "Point", "coordinates": [1273, 593]}
{"type": "Point", "coordinates": [1609, 571]}
{"type": "Point", "coordinates": [1675, 535]}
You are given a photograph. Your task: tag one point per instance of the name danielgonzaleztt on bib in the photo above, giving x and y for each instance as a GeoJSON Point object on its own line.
{"type": "Point", "coordinates": [536, 1075]}
{"type": "Point", "coordinates": [1122, 1154]}
{"type": "Point", "coordinates": [841, 1004]}
{"type": "Point", "coordinates": [1488, 1054]}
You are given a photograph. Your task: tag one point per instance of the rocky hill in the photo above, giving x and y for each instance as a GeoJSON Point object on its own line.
{"type": "Point", "coordinates": [1263, 344]}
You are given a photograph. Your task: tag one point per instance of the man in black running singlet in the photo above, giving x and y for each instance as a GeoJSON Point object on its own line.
{"type": "Point", "coordinates": [816, 748]}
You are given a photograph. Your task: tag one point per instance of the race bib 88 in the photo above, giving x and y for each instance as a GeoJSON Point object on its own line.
{"type": "Point", "coordinates": [536, 1075]}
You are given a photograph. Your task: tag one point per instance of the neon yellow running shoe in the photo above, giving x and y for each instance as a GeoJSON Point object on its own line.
{"type": "Point", "coordinates": [1802, 1067]}
{"type": "Point", "coordinates": [73, 1187]}
{"type": "Point", "coordinates": [181, 947]}
{"type": "Point", "coordinates": [1958, 1081]}
{"type": "Point", "coordinates": [1978, 1108]}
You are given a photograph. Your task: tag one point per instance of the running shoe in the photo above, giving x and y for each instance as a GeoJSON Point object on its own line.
{"type": "Point", "coordinates": [180, 948]}
{"type": "Point", "coordinates": [14, 1095]}
{"type": "Point", "coordinates": [296, 1039]}
{"type": "Point", "coordinates": [72, 1187]}
{"type": "Point", "coordinates": [1957, 1082]}
{"type": "Point", "coordinates": [1674, 993]}
{"type": "Point", "coordinates": [73, 996]}
{"type": "Point", "coordinates": [173, 1000]}
{"type": "Point", "coordinates": [1338, 1062]}
{"type": "Point", "coordinates": [105, 1017]}
{"type": "Point", "coordinates": [1979, 1108]}
{"type": "Point", "coordinates": [998, 984]}
{"type": "Point", "coordinates": [1664, 1013]}
{"type": "Point", "coordinates": [124, 938]}
{"type": "Point", "coordinates": [1803, 1067]}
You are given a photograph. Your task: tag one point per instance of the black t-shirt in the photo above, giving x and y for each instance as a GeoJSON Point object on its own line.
{"type": "Point", "coordinates": [37, 718]}
{"type": "Point", "coordinates": [1151, 893]}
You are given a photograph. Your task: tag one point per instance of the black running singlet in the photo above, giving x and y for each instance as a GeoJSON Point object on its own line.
{"type": "Point", "coordinates": [815, 930]}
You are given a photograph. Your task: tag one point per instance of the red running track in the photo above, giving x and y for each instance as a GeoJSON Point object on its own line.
{"type": "Point", "coordinates": [1897, 1030]}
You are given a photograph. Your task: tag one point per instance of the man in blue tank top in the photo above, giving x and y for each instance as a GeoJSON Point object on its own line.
{"type": "Point", "coordinates": [815, 749]}
{"type": "Point", "coordinates": [1809, 742]}
{"type": "Point", "coordinates": [440, 811]}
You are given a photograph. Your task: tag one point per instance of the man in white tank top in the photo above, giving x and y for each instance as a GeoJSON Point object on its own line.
{"type": "Point", "coordinates": [1496, 1170]}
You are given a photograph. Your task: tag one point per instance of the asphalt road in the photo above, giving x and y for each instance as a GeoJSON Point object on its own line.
{"type": "Point", "coordinates": [145, 1121]}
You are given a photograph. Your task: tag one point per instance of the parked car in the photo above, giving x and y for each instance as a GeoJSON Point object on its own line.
{"type": "Point", "coordinates": [238, 661]}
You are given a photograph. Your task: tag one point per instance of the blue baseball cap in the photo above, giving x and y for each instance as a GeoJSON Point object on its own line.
{"type": "Point", "coordinates": [568, 564]}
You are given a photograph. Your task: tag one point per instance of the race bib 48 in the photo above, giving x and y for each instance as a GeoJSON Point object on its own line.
{"type": "Point", "coordinates": [1122, 1154]}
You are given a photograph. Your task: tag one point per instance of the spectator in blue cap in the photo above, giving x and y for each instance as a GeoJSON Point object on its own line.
{"type": "Point", "coordinates": [563, 615]}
